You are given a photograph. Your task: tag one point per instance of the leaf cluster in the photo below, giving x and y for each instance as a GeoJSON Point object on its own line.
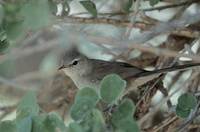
{"type": "Point", "coordinates": [28, 118]}
{"type": "Point", "coordinates": [21, 17]}
{"type": "Point", "coordinates": [85, 111]}
{"type": "Point", "coordinates": [88, 111]}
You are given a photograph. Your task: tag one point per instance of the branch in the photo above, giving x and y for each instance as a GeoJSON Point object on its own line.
{"type": "Point", "coordinates": [163, 124]}
{"type": "Point", "coordinates": [12, 83]}
{"type": "Point", "coordinates": [164, 100]}
{"type": "Point", "coordinates": [159, 8]}
{"type": "Point", "coordinates": [28, 51]}
{"type": "Point", "coordinates": [188, 121]}
{"type": "Point", "coordinates": [115, 22]}
{"type": "Point", "coordinates": [130, 44]}
{"type": "Point", "coordinates": [164, 27]}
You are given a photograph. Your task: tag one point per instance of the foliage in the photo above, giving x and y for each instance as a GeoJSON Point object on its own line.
{"type": "Point", "coordinates": [90, 7]}
{"type": "Point", "coordinates": [122, 117]}
{"type": "Point", "coordinates": [87, 112]}
{"type": "Point", "coordinates": [186, 102]}
{"type": "Point", "coordinates": [21, 17]}
{"type": "Point", "coordinates": [85, 108]}
{"type": "Point", "coordinates": [112, 86]}
{"type": "Point", "coordinates": [154, 2]}
{"type": "Point", "coordinates": [29, 120]}
{"type": "Point", "coordinates": [128, 6]}
{"type": "Point", "coordinates": [18, 19]}
{"type": "Point", "coordinates": [8, 126]}
{"type": "Point", "coordinates": [3, 42]}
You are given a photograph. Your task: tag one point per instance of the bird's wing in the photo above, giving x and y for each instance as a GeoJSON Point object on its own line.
{"type": "Point", "coordinates": [125, 70]}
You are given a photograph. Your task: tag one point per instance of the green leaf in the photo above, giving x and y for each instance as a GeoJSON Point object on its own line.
{"type": "Point", "coordinates": [74, 127]}
{"type": "Point", "coordinates": [90, 7]}
{"type": "Point", "coordinates": [95, 117]}
{"type": "Point", "coordinates": [98, 116]}
{"type": "Point", "coordinates": [7, 68]}
{"type": "Point", "coordinates": [128, 6]}
{"type": "Point", "coordinates": [30, 16]}
{"type": "Point", "coordinates": [124, 110]}
{"type": "Point", "coordinates": [187, 101]}
{"type": "Point", "coordinates": [15, 31]}
{"type": "Point", "coordinates": [52, 6]}
{"type": "Point", "coordinates": [85, 101]}
{"type": "Point", "coordinates": [36, 14]}
{"type": "Point", "coordinates": [28, 105]}
{"type": "Point", "coordinates": [3, 35]}
{"type": "Point", "coordinates": [182, 113]}
{"type": "Point", "coordinates": [119, 130]}
{"type": "Point", "coordinates": [4, 45]}
{"type": "Point", "coordinates": [24, 124]}
{"type": "Point", "coordinates": [48, 123]}
{"type": "Point", "coordinates": [11, 7]}
{"type": "Point", "coordinates": [38, 123]}
{"type": "Point", "coordinates": [66, 7]}
{"type": "Point", "coordinates": [88, 93]}
{"type": "Point", "coordinates": [49, 63]}
{"type": "Point", "coordinates": [53, 122]}
{"type": "Point", "coordinates": [126, 124]}
{"type": "Point", "coordinates": [154, 2]}
{"type": "Point", "coordinates": [1, 14]}
{"type": "Point", "coordinates": [8, 126]}
{"type": "Point", "coordinates": [112, 87]}
{"type": "Point", "coordinates": [122, 118]}
{"type": "Point", "coordinates": [82, 108]}
{"type": "Point", "coordinates": [97, 121]}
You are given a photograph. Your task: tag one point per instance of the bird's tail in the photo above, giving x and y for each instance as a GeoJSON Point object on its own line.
{"type": "Point", "coordinates": [168, 69]}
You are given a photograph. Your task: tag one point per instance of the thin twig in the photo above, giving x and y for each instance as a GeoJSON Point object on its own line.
{"type": "Point", "coordinates": [147, 116]}
{"type": "Point", "coordinates": [185, 3]}
{"type": "Point", "coordinates": [12, 83]}
{"type": "Point", "coordinates": [7, 110]}
{"type": "Point", "coordinates": [133, 17]}
{"type": "Point", "coordinates": [163, 124]}
{"type": "Point", "coordinates": [34, 75]}
{"type": "Point", "coordinates": [116, 22]}
{"type": "Point", "coordinates": [130, 44]}
{"type": "Point", "coordinates": [29, 51]}
{"type": "Point", "coordinates": [186, 32]}
{"type": "Point", "coordinates": [183, 126]}
{"type": "Point", "coordinates": [148, 90]}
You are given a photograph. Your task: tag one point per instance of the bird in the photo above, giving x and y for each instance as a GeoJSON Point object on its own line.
{"type": "Point", "coordinates": [87, 72]}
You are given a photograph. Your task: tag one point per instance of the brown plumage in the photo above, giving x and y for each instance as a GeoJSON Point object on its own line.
{"type": "Point", "coordinates": [89, 72]}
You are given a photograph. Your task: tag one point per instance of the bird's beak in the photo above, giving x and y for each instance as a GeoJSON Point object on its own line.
{"type": "Point", "coordinates": [61, 67]}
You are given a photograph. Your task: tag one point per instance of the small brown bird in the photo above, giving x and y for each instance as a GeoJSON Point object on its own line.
{"type": "Point", "coordinates": [86, 72]}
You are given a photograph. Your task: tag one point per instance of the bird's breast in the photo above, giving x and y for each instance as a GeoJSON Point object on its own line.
{"type": "Point", "coordinates": [81, 81]}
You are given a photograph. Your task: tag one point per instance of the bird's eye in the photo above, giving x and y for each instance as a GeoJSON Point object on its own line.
{"type": "Point", "coordinates": [75, 62]}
